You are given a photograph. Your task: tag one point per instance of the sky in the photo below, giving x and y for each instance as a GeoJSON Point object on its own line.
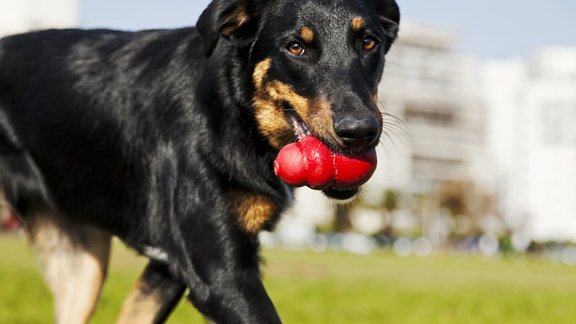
{"type": "Point", "coordinates": [487, 29]}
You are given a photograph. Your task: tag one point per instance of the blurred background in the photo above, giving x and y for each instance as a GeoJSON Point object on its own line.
{"type": "Point", "coordinates": [479, 152]}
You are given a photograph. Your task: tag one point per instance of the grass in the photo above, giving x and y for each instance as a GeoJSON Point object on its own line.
{"type": "Point", "coordinates": [340, 288]}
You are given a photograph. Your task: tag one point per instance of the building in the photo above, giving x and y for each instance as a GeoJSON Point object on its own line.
{"type": "Point", "coordinates": [23, 15]}
{"type": "Point", "coordinates": [433, 89]}
{"type": "Point", "coordinates": [532, 140]}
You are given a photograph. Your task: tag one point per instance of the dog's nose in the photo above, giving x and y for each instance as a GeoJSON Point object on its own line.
{"type": "Point", "coordinates": [357, 132]}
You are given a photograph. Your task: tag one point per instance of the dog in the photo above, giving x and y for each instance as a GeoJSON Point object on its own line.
{"type": "Point", "coordinates": [166, 140]}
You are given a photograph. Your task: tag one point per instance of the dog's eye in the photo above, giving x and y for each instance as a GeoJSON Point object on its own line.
{"type": "Point", "coordinates": [295, 48]}
{"type": "Point", "coordinates": [369, 43]}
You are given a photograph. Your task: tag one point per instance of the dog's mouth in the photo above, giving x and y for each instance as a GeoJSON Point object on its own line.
{"type": "Point", "coordinates": [310, 162]}
{"type": "Point", "coordinates": [298, 126]}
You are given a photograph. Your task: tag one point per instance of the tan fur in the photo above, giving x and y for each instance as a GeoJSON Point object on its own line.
{"type": "Point", "coordinates": [271, 120]}
{"type": "Point", "coordinates": [319, 117]}
{"type": "Point", "coordinates": [260, 72]}
{"type": "Point", "coordinates": [75, 259]}
{"type": "Point", "coordinates": [307, 34]}
{"type": "Point", "coordinates": [238, 18]}
{"type": "Point", "coordinates": [357, 24]}
{"type": "Point", "coordinates": [272, 123]}
{"type": "Point", "coordinates": [279, 91]}
{"type": "Point", "coordinates": [139, 307]}
{"type": "Point", "coordinates": [316, 114]}
{"type": "Point", "coordinates": [254, 211]}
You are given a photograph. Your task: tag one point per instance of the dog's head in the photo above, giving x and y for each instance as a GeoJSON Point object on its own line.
{"type": "Point", "coordinates": [314, 65]}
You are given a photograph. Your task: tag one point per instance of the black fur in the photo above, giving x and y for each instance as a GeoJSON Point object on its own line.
{"type": "Point", "coordinates": [149, 135]}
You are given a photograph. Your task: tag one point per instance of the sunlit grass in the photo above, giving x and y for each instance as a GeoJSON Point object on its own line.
{"type": "Point", "coordinates": [339, 288]}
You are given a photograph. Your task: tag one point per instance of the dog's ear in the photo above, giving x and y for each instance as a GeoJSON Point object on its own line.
{"type": "Point", "coordinates": [229, 19]}
{"type": "Point", "coordinates": [389, 14]}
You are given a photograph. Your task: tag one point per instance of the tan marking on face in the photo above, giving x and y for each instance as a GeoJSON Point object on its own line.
{"type": "Point", "coordinates": [276, 94]}
{"type": "Point", "coordinates": [254, 211]}
{"type": "Point", "coordinates": [320, 118]}
{"type": "Point", "coordinates": [279, 91]}
{"type": "Point", "coordinates": [271, 120]}
{"type": "Point", "coordinates": [236, 19]}
{"type": "Point", "coordinates": [268, 103]}
{"type": "Point", "coordinates": [357, 24]}
{"type": "Point", "coordinates": [260, 73]}
{"type": "Point", "coordinates": [307, 34]}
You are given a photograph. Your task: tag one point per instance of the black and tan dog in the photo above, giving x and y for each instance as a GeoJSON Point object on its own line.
{"type": "Point", "coordinates": [166, 139]}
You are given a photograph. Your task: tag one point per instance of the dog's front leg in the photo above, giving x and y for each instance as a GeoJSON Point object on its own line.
{"type": "Point", "coordinates": [231, 290]}
{"type": "Point", "coordinates": [238, 299]}
{"type": "Point", "coordinates": [154, 296]}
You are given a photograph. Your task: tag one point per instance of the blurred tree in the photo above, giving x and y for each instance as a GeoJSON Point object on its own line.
{"type": "Point", "coordinates": [469, 207]}
{"type": "Point", "coordinates": [452, 197]}
{"type": "Point", "coordinates": [390, 200]}
{"type": "Point", "coordinates": [390, 203]}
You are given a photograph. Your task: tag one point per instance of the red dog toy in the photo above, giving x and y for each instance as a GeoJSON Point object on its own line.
{"type": "Point", "coordinates": [311, 163]}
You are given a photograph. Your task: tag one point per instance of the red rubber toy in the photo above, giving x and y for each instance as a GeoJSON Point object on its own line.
{"type": "Point", "coordinates": [311, 163]}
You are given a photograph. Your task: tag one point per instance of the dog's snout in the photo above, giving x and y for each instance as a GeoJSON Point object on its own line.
{"type": "Point", "coordinates": [357, 132]}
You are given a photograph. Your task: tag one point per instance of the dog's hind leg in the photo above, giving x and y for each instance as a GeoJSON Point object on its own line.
{"type": "Point", "coordinates": [75, 259]}
{"type": "Point", "coordinates": [154, 296]}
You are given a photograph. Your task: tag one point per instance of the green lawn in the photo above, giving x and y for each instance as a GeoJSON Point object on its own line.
{"type": "Point", "coordinates": [340, 288]}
